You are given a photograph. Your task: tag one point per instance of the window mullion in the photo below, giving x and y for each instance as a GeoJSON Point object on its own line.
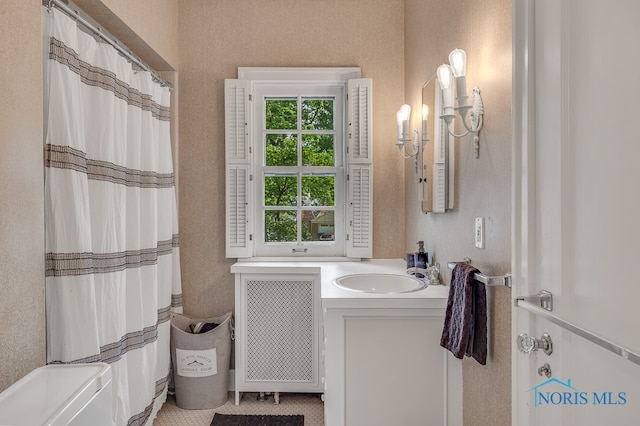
{"type": "Point", "coordinates": [299, 208]}
{"type": "Point", "coordinates": [299, 198]}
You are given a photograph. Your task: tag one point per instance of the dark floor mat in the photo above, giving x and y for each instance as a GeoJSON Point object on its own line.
{"type": "Point", "coordinates": [256, 420]}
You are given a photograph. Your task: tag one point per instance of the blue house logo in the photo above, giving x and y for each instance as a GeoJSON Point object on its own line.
{"type": "Point", "coordinates": [555, 392]}
{"type": "Point", "coordinates": [543, 396]}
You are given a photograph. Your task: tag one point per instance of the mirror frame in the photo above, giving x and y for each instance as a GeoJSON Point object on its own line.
{"type": "Point", "coordinates": [436, 163]}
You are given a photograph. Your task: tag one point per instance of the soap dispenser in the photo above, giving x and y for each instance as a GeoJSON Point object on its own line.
{"type": "Point", "coordinates": [421, 259]}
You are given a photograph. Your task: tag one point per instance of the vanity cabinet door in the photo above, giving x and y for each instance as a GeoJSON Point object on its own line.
{"type": "Point", "coordinates": [385, 366]}
{"type": "Point", "coordinates": [394, 371]}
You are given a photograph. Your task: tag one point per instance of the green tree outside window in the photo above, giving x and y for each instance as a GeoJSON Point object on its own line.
{"type": "Point", "coordinates": [299, 133]}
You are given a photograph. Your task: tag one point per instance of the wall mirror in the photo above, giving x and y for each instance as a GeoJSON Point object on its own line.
{"type": "Point", "coordinates": [436, 164]}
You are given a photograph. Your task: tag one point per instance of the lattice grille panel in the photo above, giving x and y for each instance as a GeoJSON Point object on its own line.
{"type": "Point", "coordinates": [280, 331]}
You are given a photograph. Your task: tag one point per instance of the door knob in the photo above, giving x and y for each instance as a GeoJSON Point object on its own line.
{"type": "Point", "coordinates": [527, 344]}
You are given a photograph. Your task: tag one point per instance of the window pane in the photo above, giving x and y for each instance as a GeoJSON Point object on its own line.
{"type": "Point", "coordinates": [281, 114]}
{"type": "Point", "coordinates": [318, 190]}
{"type": "Point", "coordinates": [307, 217]}
{"type": "Point", "coordinates": [318, 225]}
{"type": "Point", "coordinates": [280, 226]}
{"type": "Point", "coordinates": [317, 150]}
{"type": "Point", "coordinates": [280, 190]}
{"type": "Point", "coordinates": [317, 114]}
{"type": "Point", "coordinates": [281, 150]}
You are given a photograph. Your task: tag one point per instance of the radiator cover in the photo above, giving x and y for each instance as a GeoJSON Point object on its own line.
{"type": "Point", "coordinates": [280, 331]}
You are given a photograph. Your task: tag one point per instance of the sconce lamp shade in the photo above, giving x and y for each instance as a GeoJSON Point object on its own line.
{"type": "Point", "coordinates": [444, 76]}
{"type": "Point", "coordinates": [405, 112]}
{"type": "Point", "coordinates": [458, 61]}
{"type": "Point", "coordinates": [425, 112]}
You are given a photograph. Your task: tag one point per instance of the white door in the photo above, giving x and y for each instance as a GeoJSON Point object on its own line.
{"type": "Point", "coordinates": [577, 207]}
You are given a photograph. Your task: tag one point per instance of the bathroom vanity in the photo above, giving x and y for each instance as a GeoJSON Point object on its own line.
{"type": "Point", "coordinates": [379, 355]}
{"type": "Point", "coordinates": [383, 360]}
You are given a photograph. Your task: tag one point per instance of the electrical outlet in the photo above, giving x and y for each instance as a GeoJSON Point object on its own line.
{"type": "Point", "coordinates": [479, 232]}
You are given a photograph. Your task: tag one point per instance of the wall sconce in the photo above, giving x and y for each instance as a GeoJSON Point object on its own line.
{"type": "Point", "coordinates": [457, 68]}
{"type": "Point", "coordinates": [403, 116]}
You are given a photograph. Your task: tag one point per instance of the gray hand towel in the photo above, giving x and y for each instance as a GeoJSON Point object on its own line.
{"type": "Point", "coordinates": [465, 322]}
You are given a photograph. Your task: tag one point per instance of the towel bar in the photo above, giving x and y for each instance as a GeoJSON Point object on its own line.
{"type": "Point", "coordinates": [496, 280]}
{"type": "Point", "coordinates": [541, 311]}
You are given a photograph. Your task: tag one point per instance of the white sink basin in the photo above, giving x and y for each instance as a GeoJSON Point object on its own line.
{"type": "Point", "coordinates": [379, 283]}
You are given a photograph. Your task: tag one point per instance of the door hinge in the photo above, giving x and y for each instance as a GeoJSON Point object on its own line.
{"type": "Point", "coordinates": [250, 237]}
{"type": "Point", "coordinates": [250, 97]}
{"type": "Point", "coordinates": [250, 178]}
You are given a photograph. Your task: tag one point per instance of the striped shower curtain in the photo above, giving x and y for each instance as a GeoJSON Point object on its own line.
{"type": "Point", "coordinates": [112, 259]}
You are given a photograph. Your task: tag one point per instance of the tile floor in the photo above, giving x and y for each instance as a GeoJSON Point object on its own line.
{"type": "Point", "coordinates": [309, 405]}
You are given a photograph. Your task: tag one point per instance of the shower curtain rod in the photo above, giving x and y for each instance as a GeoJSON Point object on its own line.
{"type": "Point", "coordinates": [116, 45]}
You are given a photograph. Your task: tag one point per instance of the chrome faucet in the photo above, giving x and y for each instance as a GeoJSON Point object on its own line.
{"type": "Point", "coordinates": [429, 275]}
{"type": "Point", "coordinates": [414, 271]}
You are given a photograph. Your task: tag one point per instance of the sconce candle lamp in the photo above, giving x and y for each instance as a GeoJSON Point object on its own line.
{"type": "Point", "coordinates": [458, 61]}
{"type": "Point", "coordinates": [403, 116]}
{"type": "Point", "coordinates": [457, 69]}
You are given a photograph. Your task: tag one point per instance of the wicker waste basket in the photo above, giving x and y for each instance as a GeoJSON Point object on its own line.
{"type": "Point", "coordinates": [200, 353]}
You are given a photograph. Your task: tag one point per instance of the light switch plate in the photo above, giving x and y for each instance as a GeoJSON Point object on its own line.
{"type": "Point", "coordinates": [479, 232]}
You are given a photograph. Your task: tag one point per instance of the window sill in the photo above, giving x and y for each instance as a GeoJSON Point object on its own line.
{"type": "Point", "coordinates": [298, 259]}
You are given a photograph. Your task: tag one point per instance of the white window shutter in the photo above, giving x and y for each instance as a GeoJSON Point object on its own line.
{"type": "Point", "coordinates": [237, 171]}
{"type": "Point", "coordinates": [238, 227]}
{"type": "Point", "coordinates": [359, 168]}
{"type": "Point", "coordinates": [360, 211]}
{"type": "Point", "coordinates": [236, 134]}
{"type": "Point", "coordinates": [359, 118]}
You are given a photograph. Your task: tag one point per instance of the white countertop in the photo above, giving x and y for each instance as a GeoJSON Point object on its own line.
{"type": "Point", "coordinates": [336, 297]}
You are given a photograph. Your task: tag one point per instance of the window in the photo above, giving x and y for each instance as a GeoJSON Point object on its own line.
{"type": "Point", "coordinates": [298, 163]}
{"type": "Point", "coordinates": [300, 170]}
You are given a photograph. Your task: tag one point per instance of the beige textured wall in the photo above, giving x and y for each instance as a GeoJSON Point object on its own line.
{"type": "Point", "coordinates": [22, 324]}
{"type": "Point", "coordinates": [483, 187]}
{"type": "Point", "coordinates": [217, 37]}
{"type": "Point", "coordinates": [147, 27]}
